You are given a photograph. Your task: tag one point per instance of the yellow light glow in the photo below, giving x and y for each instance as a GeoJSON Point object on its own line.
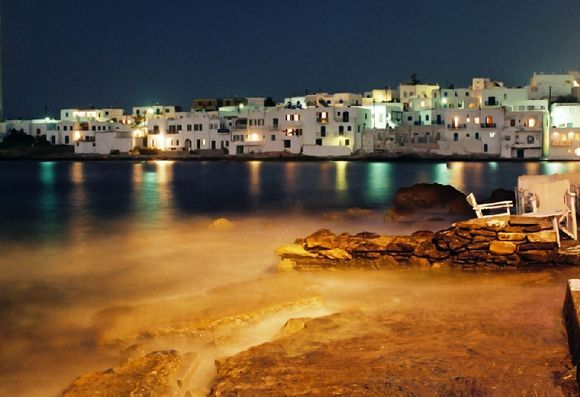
{"type": "Point", "coordinates": [76, 136]}
{"type": "Point", "coordinates": [455, 121]}
{"type": "Point", "coordinates": [444, 101]}
{"type": "Point", "coordinates": [532, 122]}
{"type": "Point", "coordinates": [253, 137]}
{"type": "Point", "coordinates": [577, 151]}
{"type": "Point", "coordinates": [476, 120]}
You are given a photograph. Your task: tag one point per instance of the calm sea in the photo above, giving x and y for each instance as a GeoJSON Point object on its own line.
{"type": "Point", "coordinates": [47, 200]}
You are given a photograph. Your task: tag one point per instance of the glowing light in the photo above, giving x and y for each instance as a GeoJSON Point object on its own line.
{"type": "Point", "coordinates": [378, 182]}
{"type": "Point", "coordinates": [76, 136]}
{"type": "Point", "coordinates": [532, 122]}
{"type": "Point", "coordinates": [577, 151]}
{"type": "Point", "coordinates": [341, 181]}
{"type": "Point", "coordinates": [255, 177]}
{"type": "Point", "coordinates": [253, 137]}
{"type": "Point", "coordinates": [77, 174]}
{"type": "Point", "coordinates": [444, 101]}
{"type": "Point", "coordinates": [455, 121]}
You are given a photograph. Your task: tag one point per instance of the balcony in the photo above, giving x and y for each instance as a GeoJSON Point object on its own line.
{"type": "Point", "coordinates": [223, 130]}
{"type": "Point", "coordinates": [322, 120]}
{"type": "Point", "coordinates": [488, 125]}
{"type": "Point", "coordinates": [456, 126]}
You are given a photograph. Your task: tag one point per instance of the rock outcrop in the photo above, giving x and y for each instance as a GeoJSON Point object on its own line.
{"type": "Point", "coordinates": [427, 196]}
{"type": "Point", "coordinates": [498, 242]}
{"type": "Point", "coordinates": [157, 374]}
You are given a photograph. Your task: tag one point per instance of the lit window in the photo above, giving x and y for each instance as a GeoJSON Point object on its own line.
{"type": "Point", "coordinates": [476, 120]}
{"type": "Point", "coordinates": [492, 134]}
{"type": "Point", "coordinates": [532, 122]}
{"type": "Point", "coordinates": [577, 151]}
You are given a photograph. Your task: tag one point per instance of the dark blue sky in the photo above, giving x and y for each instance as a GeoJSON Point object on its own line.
{"type": "Point", "coordinates": [68, 53]}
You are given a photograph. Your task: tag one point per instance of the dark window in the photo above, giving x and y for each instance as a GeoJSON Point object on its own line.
{"type": "Point", "coordinates": [347, 142]}
{"type": "Point", "coordinates": [512, 123]}
{"type": "Point", "coordinates": [319, 142]}
{"type": "Point", "coordinates": [66, 139]}
{"type": "Point", "coordinates": [455, 136]}
{"type": "Point", "coordinates": [273, 137]}
{"type": "Point", "coordinates": [410, 118]}
{"type": "Point", "coordinates": [426, 117]}
{"type": "Point", "coordinates": [477, 135]}
{"type": "Point", "coordinates": [485, 147]}
{"type": "Point", "coordinates": [530, 139]}
{"type": "Point", "coordinates": [275, 122]}
{"type": "Point", "coordinates": [349, 128]}
{"type": "Point", "coordinates": [323, 131]}
{"type": "Point", "coordinates": [287, 143]}
{"type": "Point", "coordinates": [198, 143]}
{"type": "Point", "coordinates": [340, 129]}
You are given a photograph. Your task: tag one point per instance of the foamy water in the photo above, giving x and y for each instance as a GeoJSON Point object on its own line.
{"type": "Point", "coordinates": [65, 307]}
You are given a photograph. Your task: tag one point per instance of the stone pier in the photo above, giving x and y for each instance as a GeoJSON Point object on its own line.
{"type": "Point", "coordinates": [503, 242]}
{"type": "Point", "coordinates": [571, 314]}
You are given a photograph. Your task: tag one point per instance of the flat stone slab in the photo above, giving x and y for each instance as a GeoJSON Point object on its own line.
{"type": "Point", "coordinates": [571, 314]}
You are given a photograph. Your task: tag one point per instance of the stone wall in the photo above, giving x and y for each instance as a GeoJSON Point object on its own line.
{"type": "Point", "coordinates": [498, 242]}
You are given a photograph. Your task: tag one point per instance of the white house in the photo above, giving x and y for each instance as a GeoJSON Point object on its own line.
{"type": "Point", "coordinates": [565, 132]}
{"type": "Point", "coordinates": [544, 86]}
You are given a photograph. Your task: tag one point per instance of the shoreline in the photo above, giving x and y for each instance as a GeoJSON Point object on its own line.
{"type": "Point", "coordinates": [275, 157]}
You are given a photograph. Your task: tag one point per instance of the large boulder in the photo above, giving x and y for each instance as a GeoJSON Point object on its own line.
{"type": "Point", "coordinates": [429, 196]}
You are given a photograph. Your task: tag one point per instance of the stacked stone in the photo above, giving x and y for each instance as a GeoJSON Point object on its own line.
{"type": "Point", "coordinates": [498, 242]}
{"type": "Point", "coordinates": [490, 243]}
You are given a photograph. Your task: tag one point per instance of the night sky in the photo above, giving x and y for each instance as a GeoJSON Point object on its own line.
{"type": "Point", "coordinates": [78, 53]}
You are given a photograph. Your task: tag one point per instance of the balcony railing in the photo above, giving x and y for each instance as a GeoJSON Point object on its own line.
{"type": "Point", "coordinates": [223, 130]}
{"type": "Point", "coordinates": [456, 126]}
{"type": "Point", "coordinates": [488, 125]}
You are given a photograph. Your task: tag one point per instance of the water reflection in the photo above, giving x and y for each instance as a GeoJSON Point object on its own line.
{"type": "Point", "coordinates": [341, 181]}
{"type": "Point", "coordinates": [48, 200]}
{"type": "Point", "coordinates": [379, 181]}
{"type": "Point", "coordinates": [153, 193]}
{"type": "Point", "coordinates": [291, 172]}
{"type": "Point", "coordinates": [80, 217]}
{"type": "Point", "coordinates": [254, 187]}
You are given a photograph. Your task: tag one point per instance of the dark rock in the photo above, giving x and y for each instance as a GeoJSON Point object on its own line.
{"type": "Point", "coordinates": [424, 196]}
{"type": "Point", "coordinates": [539, 256]}
{"type": "Point", "coordinates": [478, 246]}
{"type": "Point", "coordinates": [501, 195]}
{"type": "Point", "coordinates": [537, 246]}
{"type": "Point", "coordinates": [455, 243]}
{"type": "Point", "coordinates": [483, 232]}
{"type": "Point", "coordinates": [367, 235]}
{"type": "Point", "coordinates": [403, 244]}
{"type": "Point", "coordinates": [429, 250]}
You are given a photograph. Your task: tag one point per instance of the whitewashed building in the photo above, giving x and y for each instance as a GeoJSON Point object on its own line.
{"type": "Point", "coordinates": [565, 132]}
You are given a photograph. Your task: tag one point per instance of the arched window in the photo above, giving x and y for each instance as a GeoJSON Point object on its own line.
{"type": "Point", "coordinates": [530, 139]}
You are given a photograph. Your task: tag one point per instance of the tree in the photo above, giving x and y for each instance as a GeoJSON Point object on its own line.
{"type": "Point", "coordinates": [415, 79]}
{"type": "Point", "coordinates": [17, 138]}
{"type": "Point", "coordinates": [269, 102]}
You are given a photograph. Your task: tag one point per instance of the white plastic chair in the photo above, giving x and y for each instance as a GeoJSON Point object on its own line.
{"type": "Point", "coordinates": [555, 200]}
{"type": "Point", "coordinates": [479, 208]}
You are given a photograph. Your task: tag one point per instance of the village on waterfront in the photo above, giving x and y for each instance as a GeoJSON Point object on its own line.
{"type": "Point", "coordinates": [488, 120]}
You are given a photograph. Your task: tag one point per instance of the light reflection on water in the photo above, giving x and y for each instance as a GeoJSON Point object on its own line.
{"type": "Point", "coordinates": [52, 199]}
